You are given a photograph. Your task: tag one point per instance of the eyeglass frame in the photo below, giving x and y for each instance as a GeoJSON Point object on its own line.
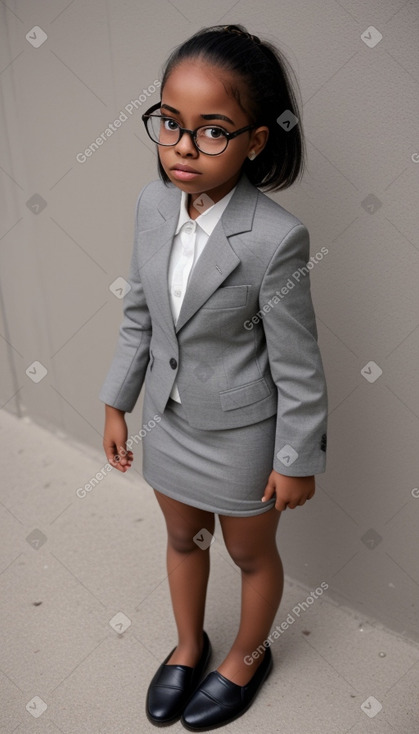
{"type": "Point", "coordinates": [148, 113]}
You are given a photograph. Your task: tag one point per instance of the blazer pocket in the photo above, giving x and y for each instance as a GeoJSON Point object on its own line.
{"type": "Point", "coordinates": [230, 296]}
{"type": "Point", "coordinates": [239, 397]}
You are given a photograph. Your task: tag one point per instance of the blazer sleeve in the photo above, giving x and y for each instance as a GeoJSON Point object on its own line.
{"type": "Point", "coordinates": [294, 358]}
{"type": "Point", "coordinates": [126, 374]}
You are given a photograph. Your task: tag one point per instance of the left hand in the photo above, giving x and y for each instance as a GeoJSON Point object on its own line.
{"type": "Point", "coordinates": [290, 491]}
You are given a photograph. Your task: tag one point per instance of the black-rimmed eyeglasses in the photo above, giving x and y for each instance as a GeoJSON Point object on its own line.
{"type": "Point", "coordinates": [208, 139]}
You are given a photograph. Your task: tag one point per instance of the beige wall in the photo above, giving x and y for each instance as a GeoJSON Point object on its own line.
{"type": "Point", "coordinates": [359, 199]}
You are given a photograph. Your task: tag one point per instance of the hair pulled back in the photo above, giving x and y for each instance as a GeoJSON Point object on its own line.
{"type": "Point", "coordinates": [263, 90]}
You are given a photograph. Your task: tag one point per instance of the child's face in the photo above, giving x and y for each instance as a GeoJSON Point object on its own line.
{"type": "Point", "coordinates": [195, 88]}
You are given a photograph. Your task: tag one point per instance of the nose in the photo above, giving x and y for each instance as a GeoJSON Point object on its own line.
{"type": "Point", "coordinates": [186, 147]}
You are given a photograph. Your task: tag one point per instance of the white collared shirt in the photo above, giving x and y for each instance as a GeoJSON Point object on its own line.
{"type": "Point", "coordinates": [191, 236]}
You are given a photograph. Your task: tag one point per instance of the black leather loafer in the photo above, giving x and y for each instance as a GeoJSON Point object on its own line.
{"type": "Point", "coordinates": [219, 701]}
{"type": "Point", "coordinates": [172, 686]}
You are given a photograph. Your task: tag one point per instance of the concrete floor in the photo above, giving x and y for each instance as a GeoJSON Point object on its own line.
{"type": "Point", "coordinates": [86, 618]}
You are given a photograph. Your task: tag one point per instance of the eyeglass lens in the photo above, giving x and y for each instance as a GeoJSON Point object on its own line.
{"type": "Point", "coordinates": [166, 131]}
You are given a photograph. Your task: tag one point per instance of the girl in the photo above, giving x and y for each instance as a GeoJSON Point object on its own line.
{"type": "Point", "coordinates": [219, 326]}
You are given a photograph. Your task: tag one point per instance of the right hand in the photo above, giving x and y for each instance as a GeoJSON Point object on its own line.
{"type": "Point", "coordinates": [114, 439]}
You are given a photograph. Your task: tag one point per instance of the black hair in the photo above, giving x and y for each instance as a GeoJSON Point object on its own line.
{"type": "Point", "coordinates": [269, 93]}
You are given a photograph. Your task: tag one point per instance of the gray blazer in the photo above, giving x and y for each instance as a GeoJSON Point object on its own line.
{"type": "Point", "coordinates": [245, 343]}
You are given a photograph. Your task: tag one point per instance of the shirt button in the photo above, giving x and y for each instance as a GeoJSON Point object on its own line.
{"type": "Point", "coordinates": [189, 228]}
{"type": "Point", "coordinates": [173, 363]}
{"type": "Point", "coordinates": [177, 293]}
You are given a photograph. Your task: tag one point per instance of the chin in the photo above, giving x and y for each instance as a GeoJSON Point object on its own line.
{"type": "Point", "coordinates": [189, 187]}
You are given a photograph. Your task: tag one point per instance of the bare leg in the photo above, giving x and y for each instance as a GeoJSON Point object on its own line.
{"type": "Point", "coordinates": [251, 542]}
{"type": "Point", "coordinates": [188, 571]}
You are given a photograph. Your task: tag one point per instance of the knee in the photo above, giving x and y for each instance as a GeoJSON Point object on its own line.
{"type": "Point", "coordinates": [252, 557]}
{"type": "Point", "coordinates": [243, 556]}
{"type": "Point", "coordinates": [185, 540]}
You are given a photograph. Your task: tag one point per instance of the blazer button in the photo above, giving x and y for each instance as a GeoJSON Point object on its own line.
{"type": "Point", "coordinates": [173, 363]}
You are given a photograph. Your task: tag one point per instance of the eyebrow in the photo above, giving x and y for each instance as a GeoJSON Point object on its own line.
{"type": "Point", "coordinates": [211, 116]}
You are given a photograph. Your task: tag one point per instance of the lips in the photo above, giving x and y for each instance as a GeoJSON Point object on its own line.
{"type": "Point", "coordinates": [181, 167]}
{"type": "Point", "coordinates": [183, 173]}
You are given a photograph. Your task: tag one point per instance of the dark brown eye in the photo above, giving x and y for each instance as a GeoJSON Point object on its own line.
{"type": "Point", "coordinates": [213, 133]}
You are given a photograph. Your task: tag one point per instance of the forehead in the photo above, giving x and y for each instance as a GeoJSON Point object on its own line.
{"type": "Point", "coordinates": [196, 87]}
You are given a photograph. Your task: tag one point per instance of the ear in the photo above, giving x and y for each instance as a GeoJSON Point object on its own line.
{"type": "Point", "coordinates": [257, 142]}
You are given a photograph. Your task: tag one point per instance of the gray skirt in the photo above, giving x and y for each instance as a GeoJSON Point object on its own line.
{"type": "Point", "coordinates": [221, 471]}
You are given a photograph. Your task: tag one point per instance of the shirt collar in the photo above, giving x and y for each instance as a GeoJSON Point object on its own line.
{"type": "Point", "coordinates": [209, 218]}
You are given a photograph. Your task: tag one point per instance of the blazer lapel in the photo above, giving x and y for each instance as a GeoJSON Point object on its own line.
{"type": "Point", "coordinates": [218, 258]}
{"type": "Point", "coordinates": [155, 254]}
{"type": "Point", "coordinates": [215, 264]}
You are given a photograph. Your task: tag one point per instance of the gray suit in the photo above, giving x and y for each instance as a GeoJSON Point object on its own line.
{"type": "Point", "coordinates": [245, 343]}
